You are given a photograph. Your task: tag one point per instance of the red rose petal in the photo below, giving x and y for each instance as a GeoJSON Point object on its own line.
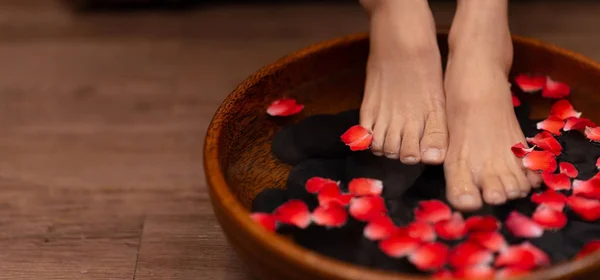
{"type": "Point", "coordinates": [515, 101]}
{"type": "Point", "coordinates": [540, 161]}
{"type": "Point", "coordinates": [568, 169]}
{"type": "Point", "coordinates": [266, 220]}
{"type": "Point", "coordinates": [520, 151]}
{"type": "Point", "coordinates": [588, 189]}
{"type": "Point", "coordinates": [482, 223]}
{"type": "Point", "coordinates": [541, 258]}
{"type": "Point", "coordinates": [511, 272]}
{"type": "Point", "coordinates": [555, 89]}
{"type": "Point", "coordinates": [443, 274]}
{"type": "Point", "coordinates": [475, 272]}
{"type": "Point", "coordinates": [379, 228]}
{"type": "Point", "coordinates": [564, 110]}
{"type": "Point", "coordinates": [293, 212]}
{"type": "Point", "coordinates": [422, 231]}
{"type": "Point", "coordinates": [315, 184]}
{"type": "Point", "coordinates": [545, 141]}
{"type": "Point", "coordinates": [592, 133]}
{"type": "Point", "coordinates": [588, 248]}
{"type": "Point", "coordinates": [549, 218]}
{"type": "Point", "coordinates": [432, 211]}
{"type": "Point", "coordinates": [469, 254]}
{"type": "Point", "coordinates": [399, 246]}
{"type": "Point", "coordinates": [530, 83]}
{"type": "Point", "coordinates": [332, 215]}
{"type": "Point", "coordinates": [366, 208]}
{"type": "Point", "coordinates": [284, 107]}
{"type": "Point", "coordinates": [516, 256]}
{"type": "Point", "coordinates": [431, 256]}
{"type": "Point", "coordinates": [491, 240]}
{"type": "Point", "coordinates": [357, 138]}
{"type": "Point", "coordinates": [557, 182]}
{"type": "Point", "coordinates": [452, 229]}
{"type": "Point", "coordinates": [578, 124]}
{"type": "Point", "coordinates": [365, 186]}
{"type": "Point", "coordinates": [521, 226]}
{"type": "Point", "coordinates": [598, 163]}
{"type": "Point", "coordinates": [330, 194]}
{"type": "Point", "coordinates": [587, 209]}
{"type": "Point", "coordinates": [552, 124]}
{"type": "Point", "coordinates": [551, 198]}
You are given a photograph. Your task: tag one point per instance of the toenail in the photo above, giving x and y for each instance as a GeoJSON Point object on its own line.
{"type": "Point", "coordinates": [409, 159]}
{"type": "Point", "coordinates": [466, 200]}
{"type": "Point", "coordinates": [514, 194]}
{"type": "Point", "coordinates": [377, 154]}
{"type": "Point", "coordinates": [391, 155]}
{"type": "Point", "coordinates": [524, 194]}
{"type": "Point", "coordinates": [432, 154]}
{"type": "Point", "coordinates": [496, 197]}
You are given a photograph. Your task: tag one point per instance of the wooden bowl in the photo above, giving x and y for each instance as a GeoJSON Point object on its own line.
{"type": "Point", "coordinates": [328, 78]}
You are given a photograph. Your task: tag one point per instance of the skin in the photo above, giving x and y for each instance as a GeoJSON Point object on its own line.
{"type": "Point", "coordinates": [464, 119]}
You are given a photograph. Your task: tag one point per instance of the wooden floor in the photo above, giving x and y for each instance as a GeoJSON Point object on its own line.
{"type": "Point", "coordinates": [103, 118]}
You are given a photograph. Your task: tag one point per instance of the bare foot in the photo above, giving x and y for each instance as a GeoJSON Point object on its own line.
{"type": "Point", "coordinates": [481, 119]}
{"type": "Point", "coordinates": [404, 100]}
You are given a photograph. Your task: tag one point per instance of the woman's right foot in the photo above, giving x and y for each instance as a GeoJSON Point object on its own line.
{"type": "Point", "coordinates": [404, 100]}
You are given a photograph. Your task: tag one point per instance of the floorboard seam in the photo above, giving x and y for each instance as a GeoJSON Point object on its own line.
{"type": "Point", "coordinates": [137, 257]}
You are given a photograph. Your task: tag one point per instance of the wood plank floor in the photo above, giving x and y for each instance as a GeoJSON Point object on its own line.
{"type": "Point", "coordinates": [103, 118]}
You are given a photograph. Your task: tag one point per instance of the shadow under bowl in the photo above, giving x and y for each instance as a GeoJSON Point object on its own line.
{"type": "Point", "coordinates": [329, 78]}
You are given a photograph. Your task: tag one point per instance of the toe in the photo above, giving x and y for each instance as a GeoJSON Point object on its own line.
{"type": "Point", "coordinates": [534, 179]}
{"type": "Point", "coordinates": [461, 190]}
{"type": "Point", "coordinates": [391, 144]}
{"type": "Point", "coordinates": [520, 174]}
{"type": "Point", "coordinates": [493, 190]}
{"type": "Point", "coordinates": [435, 139]}
{"type": "Point", "coordinates": [379, 133]}
{"type": "Point", "coordinates": [409, 150]}
{"type": "Point", "coordinates": [511, 185]}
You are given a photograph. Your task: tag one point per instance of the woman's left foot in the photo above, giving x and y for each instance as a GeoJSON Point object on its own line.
{"type": "Point", "coordinates": [480, 166]}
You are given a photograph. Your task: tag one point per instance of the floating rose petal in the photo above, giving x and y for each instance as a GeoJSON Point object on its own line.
{"type": "Point", "coordinates": [293, 212]}
{"type": "Point", "coordinates": [557, 182]}
{"type": "Point", "coordinates": [552, 124]}
{"type": "Point", "coordinates": [422, 231]}
{"type": "Point", "coordinates": [475, 272]}
{"type": "Point", "coordinates": [510, 272]}
{"type": "Point", "coordinates": [521, 226]}
{"type": "Point", "coordinates": [520, 151]}
{"type": "Point", "coordinates": [357, 138]}
{"type": "Point", "coordinates": [331, 194]}
{"type": "Point", "coordinates": [315, 184]}
{"type": "Point", "coordinates": [551, 198]}
{"type": "Point", "coordinates": [516, 256]}
{"type": "Point", "coordinates": [578, 124]}
{"type": "Point", "coordinates": [468, 254]}
{"type": "Point", "coordinates": [365, 186]}
{"type": "Point", "coordinates": [589, 248]}
{"type": "Point", "coordinates": [431, 256]}
{"type": "Point", "coordinates": [399, 246]}
{"type": "Point", "coordinates": [541, 258]}
{"type": "Point", "coordinates": [366, 208]}
{"type": "Point", "coordinates": [587, 209]}
{"type": "Point", "coordinates": [540, 161]}
{"type": "Point", "coordinates": [284, 107]}
{"type": "Point", "coordinates": [432, 211]}
{"type": "Point", "coordinates": [515, 100]}
{"type": "Point", "coordinates": [545, 141]}
{"type": "Point", "coordinates": [452, 229]}
{"type": "Point", "coordinates": [549, 218]}
{"type": "Point", "coordinates": [491, 240]}
{"type": "Point", "coordinates": [530, 83]}
{"type": "Point", "coordinates": [556, 90]}
{"type": "Point", "coordinates": [379, 228]}
{"type": "Point", "coordinates": [588, 189]}
{"type": "Point", "coordinates": [443, 274]}
{"type": "Point", "coordinates": [266, 220]}
{"type": "Point", "coordinates": [482, 223]}
{"type": "Point", "coordinates": [332, 215]}
{"type": "Point", "coordinates": [564, 110]}
{"type": "Point", "coordinates": [592, 133]}
{"type": "Point", "coordinates": [568, 169]}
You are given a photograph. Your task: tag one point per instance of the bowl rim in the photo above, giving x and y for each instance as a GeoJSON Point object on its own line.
{"type": "Point", "coordinates": [223, 197]}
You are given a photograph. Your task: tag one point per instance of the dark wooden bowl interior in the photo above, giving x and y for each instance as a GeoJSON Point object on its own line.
{"type": "Point", "coordinates": [328, 78]}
